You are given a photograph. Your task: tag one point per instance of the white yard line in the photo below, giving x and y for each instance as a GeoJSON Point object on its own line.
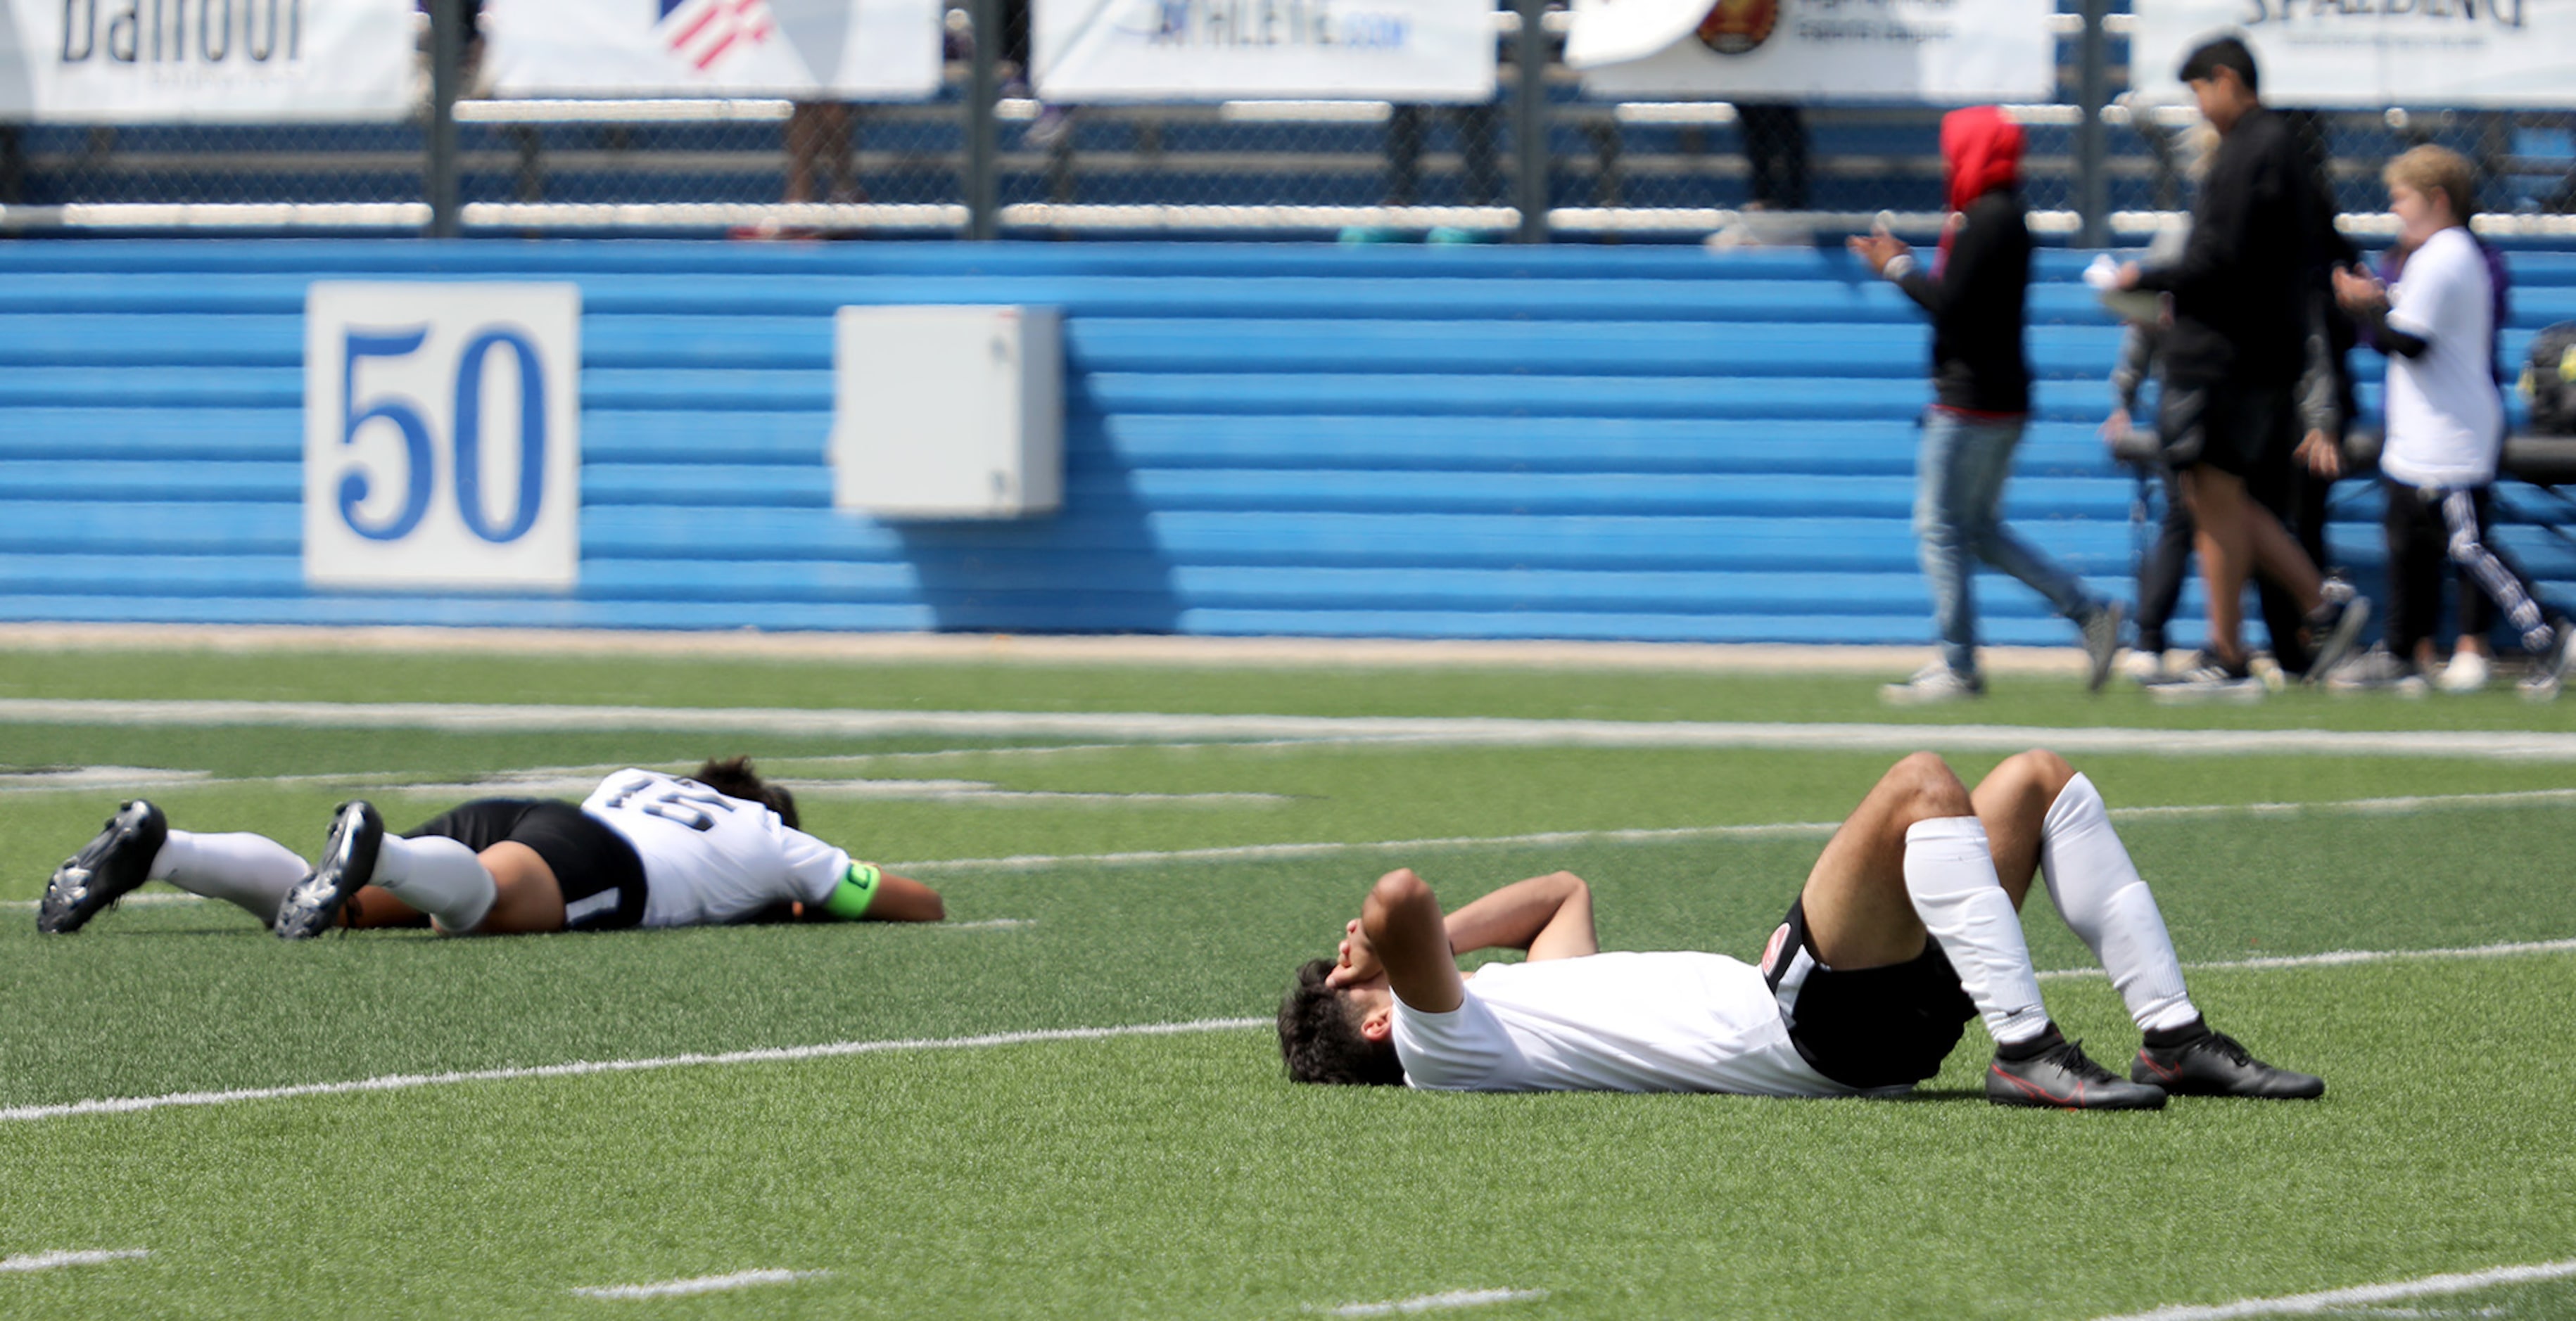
{"type": "Point", "coordinates": [1435, 1302]}
{"type": "Point", "coordinates": [45, 1261]}
{"type": "Point", "coordinates": [839, 1049]}
{"type": "Point", "coordinates": [703, 1284]}
{"type": "Point", "coordinates": [2309, 1304]}
{"type": "Point", "coordinates": [1151, 727]}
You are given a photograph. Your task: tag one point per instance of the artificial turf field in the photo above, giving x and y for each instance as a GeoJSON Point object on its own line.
{"type": "Point", "coordinates": [964, 1145]}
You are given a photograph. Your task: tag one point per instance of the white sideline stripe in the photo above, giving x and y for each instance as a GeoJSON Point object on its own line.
{"type": "Point", "coordinates": [1436, 1301]}
{"type": "Point", "coordinates": [703, 1284]}
{"type": "Point", "coordinates": [45, 1261]}
{"type": "Point", "coordinates": [790, 1054]}
{"type": "Point", "coordinates": [580, 1068]}
{"type": "Point", "coordinates": [1149, 727]}
{"type": "Point", "coordinates": [2307, 1304]}
{"type": "Point", "coordinates": [2340, 958]}
{"type": "Point", "coordinates": [1775, 829]}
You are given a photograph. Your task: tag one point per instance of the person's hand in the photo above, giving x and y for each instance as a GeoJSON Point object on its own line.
{"type": "Point", "coordinates": [2115, 426]}
{"type": "Point", "coordinates": [1877, 249]}
{"type": "Point", "coordinates": [2358, 291]}
{"type": "Point", "coordinates": [2322, 455]}
{"type": "Point", "coordinates": [2128, 277]}
{"type": "Point", "coordinates": [1357, 964]}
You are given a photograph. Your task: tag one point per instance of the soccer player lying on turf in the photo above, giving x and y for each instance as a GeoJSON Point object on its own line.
{"type": "Point", "coordinates": [645, 849]}
{"type": "Point", "coordinates": [1907, 927]}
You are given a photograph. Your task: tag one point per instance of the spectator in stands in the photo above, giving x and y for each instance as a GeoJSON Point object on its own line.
{"type": "Point", "coordinates": [2242, 307]}
{"type": "Point", "coordinates": [1775, 154]}
{"type": "Point", "coordinates": [1981, 380]}
{"type": "Point", "coordinates": [2445, 426]}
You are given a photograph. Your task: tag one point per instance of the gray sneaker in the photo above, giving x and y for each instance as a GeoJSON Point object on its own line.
{"type": "Point", "coordinates": [2549, 668]}
{"type": "Point", "coordinates": [2102, 642]}
{"type": "Point", "coordinates": [2334, 626]}
{"type": "Point", "coordinates": [1934, 683]}
{"type": "Point", "coordinates": [2377, 670]}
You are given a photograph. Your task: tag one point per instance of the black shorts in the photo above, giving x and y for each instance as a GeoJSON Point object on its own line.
{"type": "Point", "coordinates": [601, 878]}
{"type": "Point", "coordinates": [1873, 1027]}
{"type": "Point", "coordinates": [2235, 429]}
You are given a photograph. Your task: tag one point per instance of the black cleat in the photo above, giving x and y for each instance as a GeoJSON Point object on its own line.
{"type": "Point", "coordinates": [2062, 1077]}
{"type": "Point", "coordinates": [105, 870]}
{"type": "Point", "coordinates": [2215, 1065]}
{"type": "Point", "coordinates": [348, 860]}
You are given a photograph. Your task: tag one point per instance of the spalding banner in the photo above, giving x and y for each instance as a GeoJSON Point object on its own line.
{"type": "Point", "coordinates": [2373, 53]}
{"type": "Point", "coordinates": [846, 49]}
{"type": "Point", "coordinates": [1215, 50]}
{"type": "Point", "coordinates": [163, 61]}
{"type": "Point", "coordinates": [1817, 50]}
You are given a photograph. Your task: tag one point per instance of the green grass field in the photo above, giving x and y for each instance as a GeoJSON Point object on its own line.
{"type": "Point", "coordinates": [966, 1145]}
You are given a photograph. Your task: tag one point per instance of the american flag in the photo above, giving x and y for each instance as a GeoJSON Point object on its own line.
{"type": "Point", "coordinates": [702, 31]}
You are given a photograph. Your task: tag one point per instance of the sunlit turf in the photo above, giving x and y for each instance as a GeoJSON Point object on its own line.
{"type": "Point", "coordinates": [1180, 1175]}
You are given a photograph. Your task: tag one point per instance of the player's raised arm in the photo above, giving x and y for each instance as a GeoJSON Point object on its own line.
{"type": "Point", "coordinates": [1550, 916]}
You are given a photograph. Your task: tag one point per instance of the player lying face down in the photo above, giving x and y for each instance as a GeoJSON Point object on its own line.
{"type": "Point", "coordinates": [1907, 927]}
{"type": "Point", "coordinates": [645, 849]}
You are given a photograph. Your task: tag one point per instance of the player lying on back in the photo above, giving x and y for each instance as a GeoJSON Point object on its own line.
{"type": "Point", "coordinates": [645, 849]}
{"type": "Point", "coordinates": [1907, 928]}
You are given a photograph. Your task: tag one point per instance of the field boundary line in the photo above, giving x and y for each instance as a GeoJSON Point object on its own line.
{"type": "Point", "coordinates": [45, 1261]}
{"type": "Point", "coordinates": [838, 1049]}
{"type": "Point", "coordinates": [1434, 1302]}
{"type": "Point", "coordinates": [702, 1284]}
{"type": "Point", "coordinates": [1156, 727]}
{"type": "Point", "coordinates": [2311, 1303]}
{"type": "Point", "coordinates": [580, 1068]}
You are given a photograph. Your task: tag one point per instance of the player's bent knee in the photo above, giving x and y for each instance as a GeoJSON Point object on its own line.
{"type": "Point", "coordinates": [1931, 789]}
{"type": "Point", "coordinates": [2050, 770]}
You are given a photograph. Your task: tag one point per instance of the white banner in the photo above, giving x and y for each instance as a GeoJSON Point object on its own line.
{"type": "Point", "coordinates": [1220, 50]}
{"type": "Point", "coordinates": [442, 435]}
{"type": "Point", "coordinates": [2372, 53]}
{"type": "Point", "coordinates": [160, 61]}
{"type": "Point", "coordinates": [838, 49]}
{"type": "Point", "coordinates": [1943, 51]}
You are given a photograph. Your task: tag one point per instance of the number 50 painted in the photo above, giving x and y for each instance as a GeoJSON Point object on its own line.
{"type": "Point", "coordinates": [442, 442]}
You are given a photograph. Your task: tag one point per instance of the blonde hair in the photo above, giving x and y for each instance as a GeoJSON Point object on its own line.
{"type": "Point", "coordinates": [2429, 169]}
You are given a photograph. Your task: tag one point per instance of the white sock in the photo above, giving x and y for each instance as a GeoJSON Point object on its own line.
{"type": "Point", "coordinates": [440, 877]}
{"type": "Point", "coordinates": [1950, 875]}
{"type": "Point", "coordinates": [253, 871]}
{"type": "Point", "coordinates": [2097, 890]}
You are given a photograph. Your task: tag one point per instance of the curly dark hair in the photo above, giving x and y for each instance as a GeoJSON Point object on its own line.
{"type": "Point", "coordinates": [1320, 1040]}
{"type": "Point", "coordinates": [734, 778]}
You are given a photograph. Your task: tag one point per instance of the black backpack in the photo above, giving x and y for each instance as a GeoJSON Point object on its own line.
{"type": "Point", "coordinates": [2549, 380]}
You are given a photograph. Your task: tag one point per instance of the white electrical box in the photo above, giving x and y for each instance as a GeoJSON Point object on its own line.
{"type": "Point", "coordinates": [948, 412]}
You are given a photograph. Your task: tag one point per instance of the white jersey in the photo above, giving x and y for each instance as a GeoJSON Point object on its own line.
{"type": "Point", "coordinates": [709, 859]}
{"type": "Point", "coordinates": [1666, 1022]}
{"type": "Point", "coordinates": [2445, 415]}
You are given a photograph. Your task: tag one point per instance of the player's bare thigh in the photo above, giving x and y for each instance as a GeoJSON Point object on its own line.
{"type": "Point", "coordinates": [528, 899]}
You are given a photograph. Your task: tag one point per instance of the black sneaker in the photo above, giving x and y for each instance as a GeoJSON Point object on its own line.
{"type": "Point", "coordinates": [105, 870]}
{"type": "Point", "coordinates": [2062, 1077]}
{"type": "Point", "coordinates": [2215, 1065]}
{"type": "Point", "coordinates": [2209, 678]}
{"type": "Point", "coordinates": [2334, 626]}
{"type": "Point", "coordinates": [348, 860]}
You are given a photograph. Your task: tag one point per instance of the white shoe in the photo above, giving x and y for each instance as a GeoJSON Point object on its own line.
{"type": "Point", "coordinates": [1935, 682]}
{"type": "Point", "coordinates": [2467, 673]}
{"type": "Point", "coordinates": [2144, 666]}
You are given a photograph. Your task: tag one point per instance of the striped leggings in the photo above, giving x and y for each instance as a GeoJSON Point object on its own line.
{"type": "Point", "coordinates": [2428, 527]}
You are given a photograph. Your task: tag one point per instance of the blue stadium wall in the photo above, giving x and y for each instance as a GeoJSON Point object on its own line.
{"type": "Point", "coordinates": [1573, 442]}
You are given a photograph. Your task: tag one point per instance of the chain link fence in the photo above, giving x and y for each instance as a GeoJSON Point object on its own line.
{"type": "Point", "coordinates": [1352, 169]}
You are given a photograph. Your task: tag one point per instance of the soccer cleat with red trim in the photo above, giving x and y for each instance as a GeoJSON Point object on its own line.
{"type": "Point", "coordinates": [104, 871]}
{"type": "Point", "coordinates": [2215, 1065]}
{"type": "Point", "coordinates": [348, 861]}
{"type": "Point", "coordinates": [2063, 1077]}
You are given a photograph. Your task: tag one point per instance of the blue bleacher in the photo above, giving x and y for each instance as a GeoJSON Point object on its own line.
{"type": "Point", "coordinates": [1581, 442]}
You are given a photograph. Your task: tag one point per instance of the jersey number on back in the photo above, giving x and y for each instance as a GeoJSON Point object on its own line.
{"type": "Point", "coordinates": [685, 801]}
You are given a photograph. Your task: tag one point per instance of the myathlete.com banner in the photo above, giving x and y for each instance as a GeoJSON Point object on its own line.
{"type": "Point", "coordinates": [160, 61]}
{"type": "Point", "coordinates": [827, 49]}
{"type": "Point", "coordinates": [1215, 50]}
{"type": "Point", "coordinates": [2373, 53]}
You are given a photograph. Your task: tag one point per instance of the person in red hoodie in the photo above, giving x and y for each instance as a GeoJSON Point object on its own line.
{"type": "Point", "coordinates": [1981, 400]}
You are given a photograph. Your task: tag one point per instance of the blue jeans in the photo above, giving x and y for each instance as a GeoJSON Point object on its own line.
{"type": "Point", "coordinates": [1958, 521]}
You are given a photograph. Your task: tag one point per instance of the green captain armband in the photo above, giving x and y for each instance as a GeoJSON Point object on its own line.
{"type": "Point", "coordinates": [850, 898]}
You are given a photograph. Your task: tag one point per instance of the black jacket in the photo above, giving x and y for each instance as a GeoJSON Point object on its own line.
{"type": "Point", "coordinates": [2241, 290]}
{"type": "Point", "coordinates": [1976, 309]}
